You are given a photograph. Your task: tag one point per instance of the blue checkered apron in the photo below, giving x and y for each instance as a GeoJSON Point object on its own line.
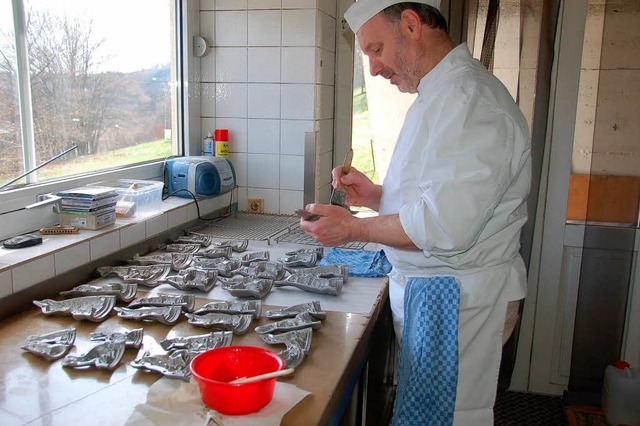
{"type": "Point", "coordinates": [428, 368]}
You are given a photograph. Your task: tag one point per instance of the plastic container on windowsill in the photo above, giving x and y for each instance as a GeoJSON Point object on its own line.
{"type": "Point", "coordinates": [136, 197]}
{"type": "Point", "coordinates": [621, 394]}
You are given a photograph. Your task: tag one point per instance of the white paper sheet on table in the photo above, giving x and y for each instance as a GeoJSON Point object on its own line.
{"type": "Point", "coordinates": [173, 402]}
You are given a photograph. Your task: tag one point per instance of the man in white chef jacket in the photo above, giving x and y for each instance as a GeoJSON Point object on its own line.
{"type": "Point", "coordinates": [453, 201]}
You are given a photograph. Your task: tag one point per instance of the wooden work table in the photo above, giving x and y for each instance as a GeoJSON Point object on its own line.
{"type": "Point", "coordinates": [37, 391]}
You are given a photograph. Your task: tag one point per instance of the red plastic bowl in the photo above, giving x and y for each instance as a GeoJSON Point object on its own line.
{"type": "Point", "coordinates": [214, 369]}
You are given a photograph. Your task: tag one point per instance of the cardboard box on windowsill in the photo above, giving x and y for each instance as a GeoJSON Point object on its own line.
{"type": "Point", "coordinates": [88, 221]}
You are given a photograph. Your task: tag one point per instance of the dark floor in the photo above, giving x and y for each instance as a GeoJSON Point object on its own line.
{"type": "Point", "coordinates": [517, 409]}
{"type": "Point", "coordinates": [526, 409]}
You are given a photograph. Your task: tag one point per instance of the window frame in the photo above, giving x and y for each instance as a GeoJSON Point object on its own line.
{"type": "Point", "coordinates": [17, 219]}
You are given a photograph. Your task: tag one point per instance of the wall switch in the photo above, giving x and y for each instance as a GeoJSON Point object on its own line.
{"type": "Point", "coordinates": [255, 205]}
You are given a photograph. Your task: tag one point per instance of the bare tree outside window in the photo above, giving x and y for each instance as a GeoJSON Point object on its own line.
{"type": "Point", "coordinates": [78, 99]}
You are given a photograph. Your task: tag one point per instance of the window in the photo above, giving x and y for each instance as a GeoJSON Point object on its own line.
{"type": "Point", "coordinates": [95, 78]}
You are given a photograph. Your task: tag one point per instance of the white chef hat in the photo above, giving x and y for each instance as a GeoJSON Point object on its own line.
{"type": "Point", "coordinates": [363, 10]}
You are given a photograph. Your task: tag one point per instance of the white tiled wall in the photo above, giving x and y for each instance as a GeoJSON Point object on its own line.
{"type": "Point", "coordinates": [268, 77]}
{"type": "Point", "coordinates": [27, 275]}
{"type": "Point", "coordinates": [6, 283]}
{"type": "Point", "coordinates": [72, 257]}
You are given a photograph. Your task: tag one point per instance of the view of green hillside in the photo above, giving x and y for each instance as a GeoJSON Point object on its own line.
{"type": "Point", "coordinates": [86, 163]}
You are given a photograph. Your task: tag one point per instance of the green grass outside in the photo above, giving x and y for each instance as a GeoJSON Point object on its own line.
{"type": "Point", "coordinates": [133, 154]}
{"type": "Point", "coordinates": [361, 136]}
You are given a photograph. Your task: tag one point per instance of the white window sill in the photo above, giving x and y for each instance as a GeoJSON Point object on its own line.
{"type": "Point", "coordinates": [26, 267]}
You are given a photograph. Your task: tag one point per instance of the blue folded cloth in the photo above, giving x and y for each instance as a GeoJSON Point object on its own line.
{"type": "Point", "coordinates": [428, 366]}
{"type": "Point", "coordinates": [362, 263]}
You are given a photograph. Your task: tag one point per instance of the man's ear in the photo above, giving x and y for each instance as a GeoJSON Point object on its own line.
{"type": "Point", "coordinates": [411, 23]}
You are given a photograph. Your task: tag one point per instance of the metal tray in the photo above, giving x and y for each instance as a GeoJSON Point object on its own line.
{"type": "Point", "coordinates": [132, 338]}
{"type": "Point", "coordinates": [51, 346]}
{"type": "Point", "coordinates": [312, 307]}
{"type": "Point", "coordinates": [193, 279]}
{"type": "Point", "coordinates": [313, 284]}
{"type": "Point", "coordinates": [173, 365]}
{"type": "Point", "coordinates": [186, 301]}
{"type": "Point", "coordinates": [303, 320]}
{"type": "Point", "coordinates": [256, 288]}
{"type": "Point", "coordinates": [124, 292]}
{"type": "Point", "coordinates": [199, 343]}
{"type": "Point", "coordinates": [253, 307]}
{"type": "Point", "coordinates": [168, 315]}
{"type": "Point", "coordinates": [106, 356]}
{"type": "Point", "coordinates": [92, 308]}
{"type": "Point", "coordinates": [239, 324]}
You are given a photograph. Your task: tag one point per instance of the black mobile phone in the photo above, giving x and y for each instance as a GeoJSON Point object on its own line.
{"type": "Point", "coordinates": [307, 215]}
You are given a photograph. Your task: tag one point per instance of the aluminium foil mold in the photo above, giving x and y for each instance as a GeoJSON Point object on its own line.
{"type": "Point", "coordinates": [173, 365]}
{"type": "Point", "coordinates": [106, 355]}
{"type": "Point", "coordinates": [124, 292]}
{"type": "Point", "coordinates": [92, 308]}
{"type": "Point", "coordinates": [51, 346]}
{"type": "Point", "coordinates": [256, 288]}
{"type": "Point", "coordinates": [168, 315]}
{"type": "Point", "coordinates": [239, 324]}
{"type": "Point", "coordinates": [186, 301]}
{"type": "Point", "coordinates": [253, 307]}
{"type": "Point", "coordinates": [300, 321]}
{"type": "Point", "coordinates": [199, 343]}
{"type": "Point", "coordinates": [313, 284]}
{"type": "Point", "coordinates": [312, 307]}
{"type": "Point", "coordinates": [193, 279]}
{"type": "Point", "coordinates": [132, 338]}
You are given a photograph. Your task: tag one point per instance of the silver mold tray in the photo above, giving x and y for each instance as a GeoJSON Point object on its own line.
{"type": "Point", "coordinates": [132, 338]}
{"type": "Point", "coordinates": [199, 343]}
{"type": "Point", "coordinates": [223, 266]}
{"type": "Point", "coordinates": [106, 356]}
{"type": "Point", "coordinates": [124, 292]}
{"type": "Point", "coordinates": [324, 271]}
{"type": "Point", "coordinates": [180, 248]}
{"type": "Point", "coordinates": [186, 301]}
{"type": "Point", "coordinates": [92, 308]}
{"type": "Point", "coordinates": [256, 288]}
{"type": "Point", "coordinates": [51, 346]}
{"type": "Point", "coordinates": [238, 246]}
{"type": "Point", "coordinates": [178, 261]}
{"type": "Point", "coordinates": [312, 307]}
{"type": "Point", "coordinates": [319, 251]}
{"type": "Point", "coordinates": [193, 279]}
{"type": "Point", "coordinates": [304, 260]}
{"type": "Point", "coordinates": [203, 240]}
{"type": "Point", "coordinates": [313, 284]}
{"type": "Point", "coordinates": [300, 321]}
{"type": "Point", "coordinates": [149, 276]}
{"type": "Point", "coordinates": [173, 365]}
{"type": "Point", "coordinates": [262, 269]}
{"type": "Point", "coordinates": [216, 253]}
{"type": "Point", "coordinates": [253, 307]}
{"type": "Point", "coordinates": [298, 345]}
{"type": "Point", "coordinates": [168, 315]}
{"type": "Point", "coordinates": [239, 324]}
{"type": "Point", "coordinates": [257, 256]}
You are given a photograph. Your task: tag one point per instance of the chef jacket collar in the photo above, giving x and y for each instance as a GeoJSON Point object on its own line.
{"type": "Point", "coordinates": [442, 69]}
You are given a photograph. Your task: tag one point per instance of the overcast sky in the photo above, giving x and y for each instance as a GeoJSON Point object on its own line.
{"type": "Point", "coordinates": [135, 32]}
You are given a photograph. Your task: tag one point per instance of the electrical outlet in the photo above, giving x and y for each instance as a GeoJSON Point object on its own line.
{"type": "Point", "coordinates": [255, 205]}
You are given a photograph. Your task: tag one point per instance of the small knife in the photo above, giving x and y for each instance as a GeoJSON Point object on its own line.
{"type": "Point", "coordinates": [338, 194]}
